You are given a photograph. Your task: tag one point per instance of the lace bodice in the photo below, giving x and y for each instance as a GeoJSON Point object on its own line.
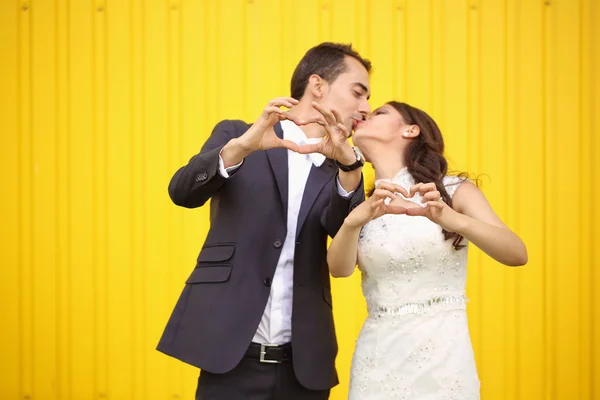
{"type": "Point", "coordinates": [415, 342]}
{"type": "Point", "coordinates": [406, 260]}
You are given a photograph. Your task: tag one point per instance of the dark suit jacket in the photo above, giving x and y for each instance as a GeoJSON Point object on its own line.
{"type": "Point", "coordinates": [224, 298]}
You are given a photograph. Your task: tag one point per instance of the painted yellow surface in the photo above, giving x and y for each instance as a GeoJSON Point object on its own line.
{"type": "Point", "coordinates": [101, 101]}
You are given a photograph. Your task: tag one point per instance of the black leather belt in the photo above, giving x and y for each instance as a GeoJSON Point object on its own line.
{"type": "Point", "coordinates": [270, 353]}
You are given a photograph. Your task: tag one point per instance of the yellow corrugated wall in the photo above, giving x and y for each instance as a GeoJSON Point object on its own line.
{"type": "Point", "coordinates": [102, 100]}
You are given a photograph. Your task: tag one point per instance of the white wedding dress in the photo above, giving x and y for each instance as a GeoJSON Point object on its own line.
{"type": "Point", "coordinates": [415, 342]}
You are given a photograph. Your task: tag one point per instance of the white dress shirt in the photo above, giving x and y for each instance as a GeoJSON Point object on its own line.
{"type": "Point", "coordinates": [275, 327]}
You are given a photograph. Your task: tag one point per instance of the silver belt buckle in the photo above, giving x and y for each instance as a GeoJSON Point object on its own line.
{"type": "Point", "coordinates": [263, 352]}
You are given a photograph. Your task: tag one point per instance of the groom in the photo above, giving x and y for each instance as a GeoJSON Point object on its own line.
{"type": "Point", "coordinates": [255, 314]}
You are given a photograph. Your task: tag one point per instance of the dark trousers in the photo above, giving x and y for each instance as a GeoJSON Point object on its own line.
{"type": "Point", "coordinates": [253, 380]}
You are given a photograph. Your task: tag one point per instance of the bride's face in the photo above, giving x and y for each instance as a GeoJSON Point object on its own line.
{"type": "Point", "coordinates": [383, 127]}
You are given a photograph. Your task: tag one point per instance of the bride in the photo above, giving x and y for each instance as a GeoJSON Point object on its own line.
{"type": "Point", "coordinates": [409, 240]}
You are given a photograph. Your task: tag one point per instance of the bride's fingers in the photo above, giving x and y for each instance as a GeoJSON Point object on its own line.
{"type": "Point", "coordinates": [415, 189]}
{"type": "Point", "coordinates": [383, 194]}
{"type": "Point", "coordinates": [416, 211]}
{"type": "Point", "coordinates": [377, 204]}
{"type": "Point", "coordinates": [435, 204]}
{"type": "Point", "coordinates": [401, 190]}
{"type": "Point", "coordinates": [431, 196]}
{"type": "Point", "coordinates": [422, 211]}
{"type": "Point", "coordinates": [395, 209]}
{"type": "Point", "coordinates": [422, 188]}
{"type": "Point", "coordinates": [386, 185]}
{"type": "Point", "coordinates": [394, 189]}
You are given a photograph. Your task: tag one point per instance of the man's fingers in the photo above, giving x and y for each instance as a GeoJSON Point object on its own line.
{"type": "Point", "coordinates": [344, 130]}
{"type": "Point", "coordinates": [314, 120]}
{"type": "Point", "coordinates": [283, 101]}
{"type": "Point", "coordinates": [329, 117]}
{"type": "Point", "coordinates": [309, 148]}
{"type": "Point", "coordinates": [337, 116]}
{"type": "Point", "coordinates": [287, 144]}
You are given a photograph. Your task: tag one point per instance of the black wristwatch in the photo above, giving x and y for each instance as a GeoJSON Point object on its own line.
{"type": "Point", "coordinates": [360, 161]}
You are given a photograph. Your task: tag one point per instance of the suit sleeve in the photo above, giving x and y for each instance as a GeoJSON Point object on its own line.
{"type": "Point", "coordinates": [339, 207]}
{"type": "Point", "coordinates": [195, 183]}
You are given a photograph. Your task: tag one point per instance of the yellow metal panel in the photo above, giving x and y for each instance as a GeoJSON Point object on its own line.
{"type": "Point", "coordinates": [563, 165]}
{"type": "Point", "coordinates": [174, 140]}
{"type": "Point", "coordinates": [99, 195]}
{"type": "Point", "coordinates": [63, 374]}
{"type": "Point", "coordinates": [262, 71]}
{"type": "Point", "coordinates": [491, 139]}
{"type": "Point", "coordinates": [43, 182]}
{"type": "Point", "coordinates": [511, 197]}
{"type": "Point", "coordinates": [381, 39]}
{"type": "Point", "coordinates": [586, 201]}
{"type": "Point", "coordinates": [157, 210]}
{"type": "Point", "coordinates": [116, 56]}
{"type": "Point", "coordinates": [10, 165]}
{"type": "Point", "coordinates": [137, 202]}
{"type": "Point", "coordinates": [593, 218]}
{"type": "Point", "coordinates": [104, 99]}
{"type": "Point", "coordinates": [25, 200]}
{"type": "Point", "coordinates": [416, 60]}
{"type": "Point", "coordinates": [529, 178]}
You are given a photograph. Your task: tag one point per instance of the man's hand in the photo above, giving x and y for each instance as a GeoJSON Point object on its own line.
{"type": "Point", "coordinates": [335, 143]}
{"type": "Point", "coordinates": [261, 135]}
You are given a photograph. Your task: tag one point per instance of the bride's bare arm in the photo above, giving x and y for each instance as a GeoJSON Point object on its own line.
{"type": "Point", "coordinates": [342, 254]}
{"type": "Point", "coordinates": [482, 227]}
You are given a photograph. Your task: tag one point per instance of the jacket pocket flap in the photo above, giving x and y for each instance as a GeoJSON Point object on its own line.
{"type": "Point", "coordinates": [218, 273]}
{"type": "Point", "coordinates": [216, 253]}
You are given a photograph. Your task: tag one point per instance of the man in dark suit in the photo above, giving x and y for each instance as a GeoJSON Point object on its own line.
{"type": "Point", "coordinates": [255, 314]}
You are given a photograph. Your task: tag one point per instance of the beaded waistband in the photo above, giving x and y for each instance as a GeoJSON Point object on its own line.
{"type": "Point", "coordinates": [432, 305]}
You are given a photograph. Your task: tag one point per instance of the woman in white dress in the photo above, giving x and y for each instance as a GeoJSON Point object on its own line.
{"type": "Point", "coordinates": [409, 240]}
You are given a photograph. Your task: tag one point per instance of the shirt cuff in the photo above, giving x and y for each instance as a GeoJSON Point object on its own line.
{"type": "Point", "coordinates": [342, 191]}
{"type": "Point", "coordinates": [226, 171]}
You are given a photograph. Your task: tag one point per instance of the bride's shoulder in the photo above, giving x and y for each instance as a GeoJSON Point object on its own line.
{"type": "Point", "coordinates": [453, 182]}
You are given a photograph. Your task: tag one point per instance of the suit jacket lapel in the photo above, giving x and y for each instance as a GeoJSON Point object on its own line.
{"type": "Point", "coordinates": [317, 179]}
{"type": "Point", "coordinates": [278, 158]}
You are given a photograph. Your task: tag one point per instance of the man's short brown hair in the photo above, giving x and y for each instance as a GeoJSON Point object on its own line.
{"type": "Point", "coordinates": [326, 60]}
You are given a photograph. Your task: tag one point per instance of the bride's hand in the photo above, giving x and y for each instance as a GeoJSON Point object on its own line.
{"type": "Point", "coordinates": [435, 209]}
{"type": "Point", "coordinates": [375, 206]}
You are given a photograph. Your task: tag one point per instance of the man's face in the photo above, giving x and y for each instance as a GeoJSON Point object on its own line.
{"type": "Point", "coordinates": [349, 93]}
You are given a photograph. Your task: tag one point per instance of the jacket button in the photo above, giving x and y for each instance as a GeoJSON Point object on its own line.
{"type": "Point", "coordinates": [277, 244]}
{"type": "Point", "coordinates": [268, 282]}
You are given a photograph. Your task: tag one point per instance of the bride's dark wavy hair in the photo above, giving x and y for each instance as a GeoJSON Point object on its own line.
{"type": "Point", "coordinates": [424, 156]}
